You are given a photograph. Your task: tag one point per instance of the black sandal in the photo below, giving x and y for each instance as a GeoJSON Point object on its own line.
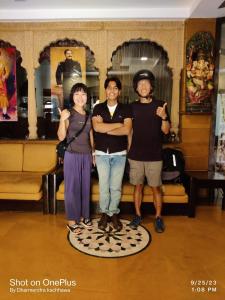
{"type": "Point", "coordinates": [86, 223]}
{"type": "Point", "coordinates": [75, 228]}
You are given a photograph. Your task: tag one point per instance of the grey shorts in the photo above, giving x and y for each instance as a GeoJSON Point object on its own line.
{"type": "Point", "coordinates": [149, 169]}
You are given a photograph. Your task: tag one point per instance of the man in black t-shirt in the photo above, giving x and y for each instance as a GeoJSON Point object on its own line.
{"type": "Point", "coordinates": [150, 122]}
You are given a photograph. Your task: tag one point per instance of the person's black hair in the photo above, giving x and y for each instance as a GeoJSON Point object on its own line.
{"type": "Point", "coordinates": [66, 51]}
{"type": "Point", "coordinates": [115, 79]}
{"type": "Point", "coordinates": [77, 88]}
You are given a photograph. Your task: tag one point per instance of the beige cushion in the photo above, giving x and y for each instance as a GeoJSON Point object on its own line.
{"type": "Point", "coordinates": [39, 157]}
{"type": "Point", "coordinates": [128, 189]}
{"type": "Point", "coordinates": [172, 193]}
{"type": "Point", "coordinates": [27, 196]}
{"type": "Point", "coordinates": [62, 187]}
{"type": "Point", "coordinates": [60, 196]}
{"type": "Point", "coordinates": [174, 189]}
{"type": "Point", "coordinates": [20, 183]}
{"type": "Point", "coordinates": [11, 157]}
{"type": "Point", "coordinates": [129, 198]}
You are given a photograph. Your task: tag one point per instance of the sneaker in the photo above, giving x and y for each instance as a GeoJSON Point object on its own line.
{"type": "Point", "coordinates": [75, 228]}
{"type": "Point", "coordinates": [135, 222]}
{"type": "Point", "coordinates": [116, 222]}
{"type": "Point", "coordinates": [86, 223]}
{"type": "Point", "coordinates": [102, 224]}
{"type": "Point", "coordinates": [159, 225]}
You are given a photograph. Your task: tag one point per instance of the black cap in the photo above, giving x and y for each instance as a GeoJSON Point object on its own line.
{"type": "Point", "coordinates": [143, 74]}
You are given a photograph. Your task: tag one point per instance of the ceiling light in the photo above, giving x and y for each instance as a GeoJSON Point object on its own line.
{"type": "Point", "coordinates": [144, 58]}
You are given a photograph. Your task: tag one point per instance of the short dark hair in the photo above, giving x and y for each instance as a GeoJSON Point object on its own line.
{"type": "Point", "coordinates": [115, 79]}
{"type": "Point", "coordinates": [66, 51]}
{"type": "Point", "coordinates": [77, 88]}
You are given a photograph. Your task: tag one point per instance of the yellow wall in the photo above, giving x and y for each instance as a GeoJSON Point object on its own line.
{"type": "Point", "coordinates": [103, 38]}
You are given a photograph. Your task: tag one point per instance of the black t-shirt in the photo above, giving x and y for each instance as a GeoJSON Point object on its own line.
{"type": "Point", "coordinates": [147, 134]}
{"type": "Point", "coordinates": [111, 143]}
{"type": "Point", "coordinates": [69, 68]}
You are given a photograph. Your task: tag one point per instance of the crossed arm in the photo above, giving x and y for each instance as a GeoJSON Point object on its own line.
{"type": "Point", "coordinates": [112, 128]}
{"type": "Point", "coordinates": [123, 130]}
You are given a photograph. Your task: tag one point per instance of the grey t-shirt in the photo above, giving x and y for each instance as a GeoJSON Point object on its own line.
{"type": "Point", "coordinates": [82, 143]}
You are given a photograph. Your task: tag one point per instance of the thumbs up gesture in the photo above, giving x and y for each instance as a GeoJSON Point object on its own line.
{"type": "Point", "coordinates": [161, 111]}
{"type": "Point", "coordinates": [64, 115]}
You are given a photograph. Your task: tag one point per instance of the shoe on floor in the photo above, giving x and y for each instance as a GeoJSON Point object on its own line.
{"type": "Point", "coordinates": [86, 223]}
{"type": "Point", "coordinates": [159, 225]}
{"type": "Point", "coordinates": [102, 224]}
{"type": "Point", "coordinates": [116, 222]}
{"type": "Point", "coordinates": [75, 228]}
{"type": "Point", "coordinates": [135, 222]}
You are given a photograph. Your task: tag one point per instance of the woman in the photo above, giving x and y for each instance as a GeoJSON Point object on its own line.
{"type": "Point", "coordinates": [77, 160]}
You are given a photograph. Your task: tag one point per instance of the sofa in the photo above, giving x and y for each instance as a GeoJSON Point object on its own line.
{"type": "Point", "coordinates": [24, 169]}
{"type": "Point", "coordinates": [173, 193]}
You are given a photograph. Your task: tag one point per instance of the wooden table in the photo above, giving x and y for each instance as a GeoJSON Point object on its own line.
{"type": "Point", "coordinates": [205, 179]}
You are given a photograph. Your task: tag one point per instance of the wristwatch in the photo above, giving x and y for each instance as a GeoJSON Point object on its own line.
{"type": "Point", "coordinates": [166, 119]}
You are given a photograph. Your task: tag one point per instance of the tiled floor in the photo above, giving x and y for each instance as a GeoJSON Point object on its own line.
{"type": "Point", "coordinates": [34, 250]}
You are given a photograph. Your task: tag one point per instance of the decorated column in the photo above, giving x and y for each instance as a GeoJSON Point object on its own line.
{"type": "Point", "coordinates": [175, 103]}
{"type": "Point", "coordinates": [29, 63]}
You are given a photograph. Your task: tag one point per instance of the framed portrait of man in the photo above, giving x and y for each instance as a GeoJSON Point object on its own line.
{"type": "Point", "coordinates": [8, 95]}
{"type": "Point", "coordinates": [68, 67]}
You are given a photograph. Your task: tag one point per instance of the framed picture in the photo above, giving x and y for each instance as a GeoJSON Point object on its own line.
{"type": "Point", "coordinates": [8, 95]}
{"type": "Point", "coordinates": [199, 73]}
{"type": "Point", "coordinates": [68, 67]}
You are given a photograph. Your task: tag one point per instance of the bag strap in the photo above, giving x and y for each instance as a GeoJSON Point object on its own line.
{"type": "Point", "coordinates": [79, 131]}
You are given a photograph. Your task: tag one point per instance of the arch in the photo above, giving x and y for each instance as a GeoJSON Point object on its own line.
{"type": "Point", "coordinates": [45, 54]}
{"type": "Point", "coordinates": [137, 54]}
{"type": "Point", "coordinates": [43, 87]}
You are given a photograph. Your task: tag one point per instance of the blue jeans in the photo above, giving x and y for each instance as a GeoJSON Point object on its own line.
{"type": "Point", "coordinates": [110, 172]}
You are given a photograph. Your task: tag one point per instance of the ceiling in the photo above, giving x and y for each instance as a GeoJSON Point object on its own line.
{"type": "Point", "coordinates": [35, 10]}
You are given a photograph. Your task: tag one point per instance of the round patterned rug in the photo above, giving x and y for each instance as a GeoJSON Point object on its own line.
{"type": "Point", "coordinates": [110, 243]}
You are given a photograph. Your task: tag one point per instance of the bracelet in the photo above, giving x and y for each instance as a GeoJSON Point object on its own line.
{"type": "Point", "coordinates": [166, 119]}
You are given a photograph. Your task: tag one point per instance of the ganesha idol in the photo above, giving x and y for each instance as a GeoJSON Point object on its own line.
{"type": "Point", "coordinates": [199, 79]}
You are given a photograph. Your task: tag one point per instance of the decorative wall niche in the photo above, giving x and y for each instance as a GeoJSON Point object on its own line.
{"type": "Point", "coordinates": [49, 95]}
{"type": "Point", "coordinates": [138, 54]}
